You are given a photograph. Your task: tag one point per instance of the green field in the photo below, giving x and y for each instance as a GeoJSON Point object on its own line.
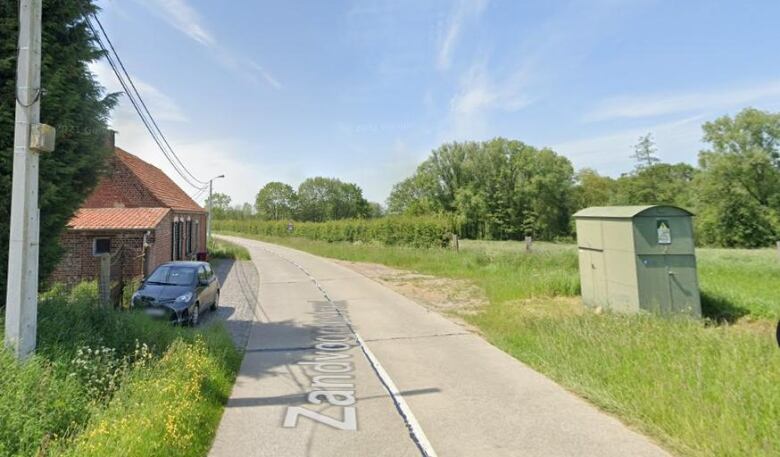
{"type": "Point", "coordinates": [699, 387]}
{"type": "Point", "coordinates": [112, 383]}
{"type": "Point", "coordinates": [734, 282]}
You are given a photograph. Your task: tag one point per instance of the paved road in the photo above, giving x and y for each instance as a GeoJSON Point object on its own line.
{"type": "Point", "coordinates": [338, 365]}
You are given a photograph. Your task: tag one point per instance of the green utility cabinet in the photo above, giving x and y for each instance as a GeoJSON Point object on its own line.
{"type": "Point", "coordinates": [638, 258]}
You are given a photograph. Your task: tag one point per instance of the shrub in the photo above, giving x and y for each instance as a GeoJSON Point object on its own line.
{"type": "Point", "coordinates": [95, 366]}
{"type": "Point", "coordinates": [167, 409]}
{"type": "Point", "coordinates": [392, 231]}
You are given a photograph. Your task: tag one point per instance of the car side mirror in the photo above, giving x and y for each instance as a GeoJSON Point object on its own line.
{"type": "Point", "coordinates": [203, 282]}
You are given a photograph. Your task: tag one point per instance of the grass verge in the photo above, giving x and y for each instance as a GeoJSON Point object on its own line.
{"type": "Point", "coordinates": [111, 383]}
{"type": "Point", "coordinates": [221, 249]}
{"type": "Point", "coordinates": [700, 389]}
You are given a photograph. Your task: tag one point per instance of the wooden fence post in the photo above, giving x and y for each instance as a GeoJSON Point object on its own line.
{"type": "Point", "coordinates": [528, 243]}
{"type": "Point", "coordinates": [778, 248]}
{"type": "Point", "coordinates": [455, 242]}
{"type": "Point", "coordinates": [104, 281]}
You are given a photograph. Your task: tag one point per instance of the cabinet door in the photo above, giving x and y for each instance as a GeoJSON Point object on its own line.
{"type": "Point", "coordinates": [654, 287]}
{"type": "Point", "coordinates": [599, 278]}
{"type": "Point", "coordinates": [683, 283]}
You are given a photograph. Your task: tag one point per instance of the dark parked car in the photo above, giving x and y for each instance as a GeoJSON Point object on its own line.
{"type": "Point", "coordinates": [179, 292]}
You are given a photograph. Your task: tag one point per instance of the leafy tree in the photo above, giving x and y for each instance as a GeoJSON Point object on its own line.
{"type": "Point", "coordinates": [375, 210]}
{"type": "Point", "coordinates": [739, 183]}
{"type": "Point", "coordinates": [660, 183]}
{"type": "Point", "coordinates": [592, 189]}
{"type": "Point", "coordinates": [73, 102]}
{"type": "Point", "coordinates": [276, 201]}
{"type": "Point", "coordinates": [324, 199]}
{"type": "Point", "coordinates": [497, 189]}
{"type": "Point", "coordinates": [220, 205]}
{"type": "Point", "coordinates": [414, 196]}
{"type": "Point", "coordinates": [644, 152]}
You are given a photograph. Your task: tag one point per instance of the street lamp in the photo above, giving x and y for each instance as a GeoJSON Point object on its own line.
{"type": "Point", "coordinates": [208, 218]}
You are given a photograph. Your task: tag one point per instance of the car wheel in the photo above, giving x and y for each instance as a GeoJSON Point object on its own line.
{"type": "Point", "coordinates": [215, 305]}
{"type": "Point", "coordinates": [195, 316]}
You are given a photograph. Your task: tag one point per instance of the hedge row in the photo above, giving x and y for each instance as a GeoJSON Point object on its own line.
{"type": "Point", "coordinates": [397, 231]}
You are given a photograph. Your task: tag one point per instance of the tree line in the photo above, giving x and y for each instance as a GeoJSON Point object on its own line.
{"type": "Point", "coordinates": [317, 199]}
{"type": "Point", "coordinates": [505, 189]}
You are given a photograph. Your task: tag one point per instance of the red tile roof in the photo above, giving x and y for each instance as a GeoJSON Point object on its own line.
{"type": "Point", "coordinates": [117, 218]}
{"type": "Point", "coordinates": [158, 183]}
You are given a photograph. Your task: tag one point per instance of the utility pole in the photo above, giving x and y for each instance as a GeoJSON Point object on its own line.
{"type": "Point", "coordinates": [30, 138]}
{"type": "Point", "coordinates": [208, 218]}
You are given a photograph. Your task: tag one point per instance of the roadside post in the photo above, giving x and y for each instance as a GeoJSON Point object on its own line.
{"type": "Point", "coordinates": [208, 210]}
{"type": "Point", "coordinates": [104, 280]}
{"type": "Point", "coordinates": [30, 139]}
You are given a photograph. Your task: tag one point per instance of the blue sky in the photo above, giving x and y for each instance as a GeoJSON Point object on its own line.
{"type": "Point", "coordinates": [364, 90]}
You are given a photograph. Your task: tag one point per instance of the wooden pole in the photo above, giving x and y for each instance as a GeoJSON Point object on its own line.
{"type": "Point", "coordinates": [528, 243]}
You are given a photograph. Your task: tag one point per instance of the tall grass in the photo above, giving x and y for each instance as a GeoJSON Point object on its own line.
{"type": "Point", "coordinates": [95, 364]}
{"type": "Point", "coordinates": [739, 282]}
{"type": "Point", "coordinates": [503, 276]}
{"type": "Point", "coordinates": [698, 388]}
{"type": "Point", "coordinates": [702, 391]}
{"type": "Point", "coordinates": [221, 249]}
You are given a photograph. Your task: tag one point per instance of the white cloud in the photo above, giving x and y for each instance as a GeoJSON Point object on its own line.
{"type": "Point", "coordinates": [480, 95]}
{"type": "Point", "coordinates": [554, 47]}
{"type": "Point", "coordinates": [677, 141]}
{"type": "Point", "coordinates": [478, 92]}
{"type": "Point", "coordinates": [662, 104]}
{"type": "Point", "coordinates": [162, 107]}
{"type": "Point", "coordinates": [265, 75]}
{"type": "Point", "coordinates": [204, 157]}
{"type": "Point", "coordinates": [180, 15]}
{"type": "Point", "coordinates": [464, 9]}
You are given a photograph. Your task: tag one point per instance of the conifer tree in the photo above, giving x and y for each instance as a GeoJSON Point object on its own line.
{"type": "Point", "coordinates": [73, 102]}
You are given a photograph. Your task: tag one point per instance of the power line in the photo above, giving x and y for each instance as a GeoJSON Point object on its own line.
{"type": "Point", "coordinates": [132, 84]}
{"type": "Point", "coordinates": [197, 194]}
{"type": "Point", "coordinates": [150, 122]}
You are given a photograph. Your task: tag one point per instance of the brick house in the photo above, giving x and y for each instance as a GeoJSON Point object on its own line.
{"type": "Point", "coordinates": [139, 215]}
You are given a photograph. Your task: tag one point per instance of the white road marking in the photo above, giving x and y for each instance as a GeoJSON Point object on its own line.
{"type": "Point", "coordinates": [415, 429]}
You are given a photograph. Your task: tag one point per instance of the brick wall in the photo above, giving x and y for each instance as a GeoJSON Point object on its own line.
{"type": "Point", "coordinates": [79, 263]}
{"type": "Point", "coordinates": [121, 188]}
{"type": "Point", "coordinates": [160, 249]}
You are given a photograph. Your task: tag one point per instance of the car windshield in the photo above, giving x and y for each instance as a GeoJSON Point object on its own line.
{"type": "Point", "coordinates": [172, 275]}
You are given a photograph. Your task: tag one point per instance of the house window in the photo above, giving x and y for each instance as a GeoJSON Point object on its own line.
{"type": "Point", "coordinates": [189, 237]}
{"type": "Point", "coordinates": [196, 236]}
{"type": "Point", "coordinates": [176, 241]}
{"type": "Point", "coordinates": [101, 246]}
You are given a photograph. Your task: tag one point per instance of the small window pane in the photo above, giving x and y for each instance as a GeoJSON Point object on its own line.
{"type": "Point", "coordinates": [102, 245]}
